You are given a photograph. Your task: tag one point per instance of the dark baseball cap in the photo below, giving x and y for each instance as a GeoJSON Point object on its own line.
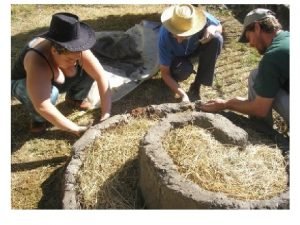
{"type": "Point", "coordinates": [254, 16]}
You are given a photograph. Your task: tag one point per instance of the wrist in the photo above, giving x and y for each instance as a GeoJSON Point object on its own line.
{"type": "Point", "coordinates": [226, 105]}
{"type": "Point", "coordinates": [185, 98]}
{"type": "Point", "coordinates": [181, 92]}
{"type": "Point", "coordinates": [105, 116]}
{"type": "Point", "coordinates": [74, 129]}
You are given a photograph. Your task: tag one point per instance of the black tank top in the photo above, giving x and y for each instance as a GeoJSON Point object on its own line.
{"type": "Point", "coordinates": [18, 71]}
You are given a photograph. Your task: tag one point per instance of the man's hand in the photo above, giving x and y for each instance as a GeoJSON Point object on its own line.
{"type": "Point", "coordinates": [211, 30]}
{"type": "Point", "coordinates": [213, 105]}
{"type": "Point", "coordinates": [185, 98]}
{"type": "Point", "coordinates": [209, 34]}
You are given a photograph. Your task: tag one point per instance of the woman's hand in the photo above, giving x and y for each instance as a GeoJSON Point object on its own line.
{"type": "Point", "coordinates": [80, 130]}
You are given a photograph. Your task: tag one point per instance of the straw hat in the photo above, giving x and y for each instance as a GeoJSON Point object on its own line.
{"type": "Point", "coordinates": [67, 31]}
{"type": "Point", "coordinates": [183, 20]}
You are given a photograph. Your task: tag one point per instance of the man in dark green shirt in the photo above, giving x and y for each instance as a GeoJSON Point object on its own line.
{"type": "Point", "coordinates": [269, 83]}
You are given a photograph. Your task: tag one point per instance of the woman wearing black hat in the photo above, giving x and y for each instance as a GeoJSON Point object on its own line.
{"type": "Point", "coordinates": [59, 61]}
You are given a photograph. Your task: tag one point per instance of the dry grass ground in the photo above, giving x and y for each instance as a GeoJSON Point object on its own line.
{"type": "Point", "coordinates": [38, 162]}
{"type": "Point", "coordinates": [108, 179]}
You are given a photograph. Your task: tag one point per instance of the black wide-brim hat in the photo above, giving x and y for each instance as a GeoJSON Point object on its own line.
{"type": "Point", "coordinates": [66, 30]}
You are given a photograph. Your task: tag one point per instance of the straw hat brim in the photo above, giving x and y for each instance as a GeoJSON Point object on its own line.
{"type": "Point", "coordinates": [199, 21]}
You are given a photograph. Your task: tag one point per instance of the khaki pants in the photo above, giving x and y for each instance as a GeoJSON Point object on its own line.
{"type": "Point", "coordinates": [281, 102]}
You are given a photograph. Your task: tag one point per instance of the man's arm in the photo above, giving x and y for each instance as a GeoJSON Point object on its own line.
{"type": "Point", "coordinates": [166, 76]}
{"type": "Point", "coordinates": [258, 107]}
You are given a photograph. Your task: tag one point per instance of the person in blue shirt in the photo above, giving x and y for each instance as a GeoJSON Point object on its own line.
{"type": "Point", "coordinates": [187, 32]}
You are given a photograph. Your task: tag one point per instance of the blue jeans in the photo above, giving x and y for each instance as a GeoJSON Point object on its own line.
{"type": "Point", "coordinates": [207, 59]}
{"type": "Point", "coordinates": [206, 55]}
{"type": "Point", "coordinates": [281, 102]}
{"type": "Point", "coordinates": [76, 88]}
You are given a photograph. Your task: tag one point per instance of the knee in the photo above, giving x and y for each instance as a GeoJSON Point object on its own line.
{"type": "Point", "coordinates": [19, 91]}
{"type": "Point", "coordinates": [217, 39]}
{"type": "Point", "coordinates": [181, 68]}
{"type": "Point", "coordinates": [54, 94]}
{"type": "Point", "coordinates": [216, 42]}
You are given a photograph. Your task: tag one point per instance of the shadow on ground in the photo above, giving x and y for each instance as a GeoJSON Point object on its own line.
{"type": "Point", "coordinates": [20, 123]}
{"type": "Point", "coordinates": [127, 196]}
{"type": "Point", "coordinates": [109, 23]}
{"type": "Point", "coordinates": [51, 188]}
{"type": "Point", "coordinates": [256, 127]}
{"type": "Point", "coordinates": [282, 12]}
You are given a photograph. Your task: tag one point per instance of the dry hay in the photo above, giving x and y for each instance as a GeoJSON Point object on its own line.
{"type": "Point", "coordinates": [255, 172]}
{"type": "Point", "coordinates": [109, 176]}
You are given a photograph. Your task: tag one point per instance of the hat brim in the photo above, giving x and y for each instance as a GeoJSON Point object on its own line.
{"type": "Point", "coordinates": [198, 23]}
{"type": "Point", "coordinates": [86, 39]}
